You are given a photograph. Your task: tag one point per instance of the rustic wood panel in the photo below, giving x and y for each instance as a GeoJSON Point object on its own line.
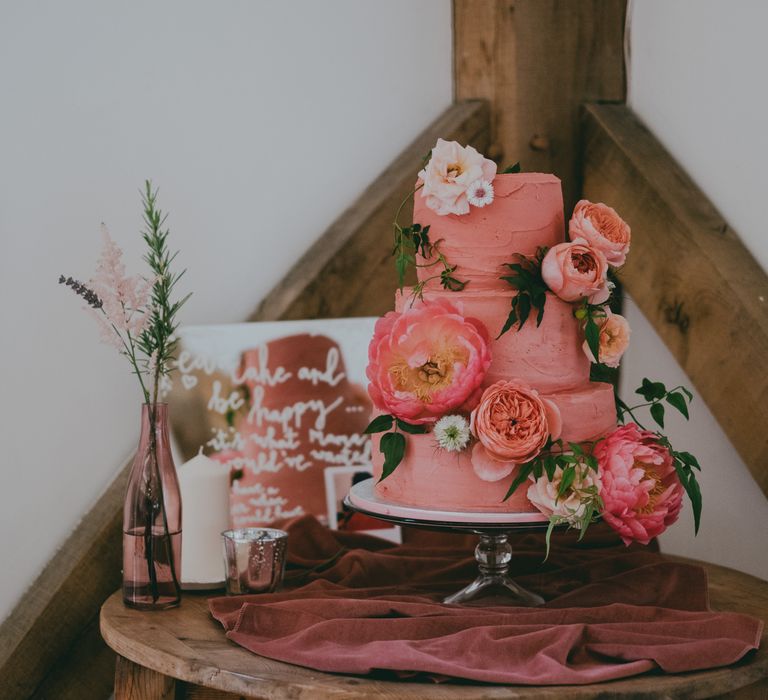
{"type": "Point", "coordinates": [536, 62]}
{"type": "Point", "coordinates": [50, 645]}
{"type": "Point", "coordinates": [50, 639]}
{"type": "Point", "coordinates": [134, 682]}
{"type": "Point", "coordinates": [187, 643]}
{"type": "Point", "coordinates": [349, 270]}
{"type": "Point", "coordinates": [689, 273]}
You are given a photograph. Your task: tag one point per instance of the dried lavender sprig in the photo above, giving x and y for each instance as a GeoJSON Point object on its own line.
{"type": "Point", "coordinates": [90, 297]}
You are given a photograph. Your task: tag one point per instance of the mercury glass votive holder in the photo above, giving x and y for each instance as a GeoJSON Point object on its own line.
{"type": "Point", "coordinates": [254, 559]}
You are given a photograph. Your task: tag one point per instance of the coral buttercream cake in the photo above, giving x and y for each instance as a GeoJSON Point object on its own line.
{"type": "Point", "coordinates": [482, 375]}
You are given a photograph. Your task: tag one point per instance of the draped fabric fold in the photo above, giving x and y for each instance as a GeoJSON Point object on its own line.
{"type": "Point", "coordinates": [355, 604]}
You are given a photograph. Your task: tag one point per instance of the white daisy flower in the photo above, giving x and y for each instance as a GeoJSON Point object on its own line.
{"type": "Point", "coordinates": [480, 193]}
{"type": "Point", "coordinates": [452, 433]}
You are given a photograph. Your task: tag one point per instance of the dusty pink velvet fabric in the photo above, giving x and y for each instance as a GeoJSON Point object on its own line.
{"type": "Point", "coordinates": [359, 605]}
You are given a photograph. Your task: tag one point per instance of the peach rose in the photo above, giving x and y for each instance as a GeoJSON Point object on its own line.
{"type": "Point", "coordinates": [513, 422]}
{"type": "Point", "coordinates": [641, 492]}
{"type": "Point", "coordinates": [575, 270]}
{"type": "Point", "coordinates": [448, 175]}
{"type": "Point", "coordinates": [543, 493]}
{"type": "Point", "coordinates": [614, 340]}
{"type": "Point", "coordinates": [427, 361]}
{"type": "Point", "coordinates": [603, 228]}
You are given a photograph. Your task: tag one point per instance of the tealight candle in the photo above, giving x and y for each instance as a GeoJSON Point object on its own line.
{"type": "Point", "coordinates": [204, 485]}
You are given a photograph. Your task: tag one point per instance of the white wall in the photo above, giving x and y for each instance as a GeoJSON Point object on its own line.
{"type": "Point", "coordinates": [697, 79]}
{"type": "Point", "coordinates": [260, 121]}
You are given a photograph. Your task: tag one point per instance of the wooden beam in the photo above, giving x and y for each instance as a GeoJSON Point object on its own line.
{"type": "Point", "coordinates": [50, 645]}
{"type": "Point", "coordinates": [536, 62]}
{"type": "Point", "coordinates": [689, 273]}
{"type": "Point", "coordinates": [349, 270]}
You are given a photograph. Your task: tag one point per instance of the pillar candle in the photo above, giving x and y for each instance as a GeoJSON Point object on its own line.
{"type": "Point", "coordinates": [204, 516]}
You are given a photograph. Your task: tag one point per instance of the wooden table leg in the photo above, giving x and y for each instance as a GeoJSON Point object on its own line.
{"type": "Point", "coordinates": [134, 682]}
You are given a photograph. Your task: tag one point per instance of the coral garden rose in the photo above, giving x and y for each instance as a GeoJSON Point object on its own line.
{"type": "Point", "coordinates": [427, 361]}
{"type": "Point", "coordinates": [512, 422]}
{"type": "Point", "coordinates": [448, 176]}
{"type": "Point", "coordinates": [571, 505]}
{"type": "Point", "coordinates": [641, 492]}
{"type": "Point", "coordinates": [575, 270]}
{"type": "Point", "coordinates": [602, 228]}
{"type": "Point", "coordinates": [614, 340]}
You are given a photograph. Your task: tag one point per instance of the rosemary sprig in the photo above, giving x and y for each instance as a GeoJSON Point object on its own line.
{"type": "Point", "coordinates": [157, 340]}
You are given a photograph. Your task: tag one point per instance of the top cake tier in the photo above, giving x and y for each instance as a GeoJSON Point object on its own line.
{"type": "Point", "coordinates": [527, 212]}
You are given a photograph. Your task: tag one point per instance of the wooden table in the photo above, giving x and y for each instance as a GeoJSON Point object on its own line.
{"type": "Point", "coordinates": [183, 653]}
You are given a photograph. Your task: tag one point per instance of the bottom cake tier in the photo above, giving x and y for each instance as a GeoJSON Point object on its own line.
{"type": "Point", "coordinates": [433, 478]}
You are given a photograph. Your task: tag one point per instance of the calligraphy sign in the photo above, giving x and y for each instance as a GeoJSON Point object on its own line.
{"type": "Point", "coordinates": [279, 403]}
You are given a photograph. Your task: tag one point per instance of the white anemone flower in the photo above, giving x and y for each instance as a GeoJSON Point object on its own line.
{"type": "Point", "coordinates": [452, 433]}
{"type": "Point", "coordinates": [480, 193]}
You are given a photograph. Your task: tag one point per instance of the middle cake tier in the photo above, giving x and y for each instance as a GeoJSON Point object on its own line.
{"type": "Point", "coordinates": [432, 478]}
{"type": "Point", "coordinates": [548, 358]}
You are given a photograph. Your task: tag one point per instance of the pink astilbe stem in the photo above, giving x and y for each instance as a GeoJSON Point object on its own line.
{"type": "Point", "coordinates": [125, 298]}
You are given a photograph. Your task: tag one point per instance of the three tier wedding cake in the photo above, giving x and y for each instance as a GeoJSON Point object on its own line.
{"type": "Point", "coordinates": [480, 377]}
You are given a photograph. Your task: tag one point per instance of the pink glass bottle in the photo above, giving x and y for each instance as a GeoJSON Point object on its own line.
{"type": "Point", "coordinates": [152, 519]}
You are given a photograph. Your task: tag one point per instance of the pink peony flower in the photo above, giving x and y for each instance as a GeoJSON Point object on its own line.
{"type": "Point", "coordinates": [641, 492]}
{"type": "Point", "coordinates": [575, 270]}
{"type": "Point", "coordinates": [448, 176]}
{"type": "Point", "coordinates": [602, 228]}
{"type": "Point", "coordinates": [570, 507]}
{"type": "Point", "coordinates": [427, 361]}
{"type": "Point", "coordinates": [614, 340]}
{"type": "Point", "coordinates": [513, 422]}
{"type": "Point", "coordinates": [486, 467]}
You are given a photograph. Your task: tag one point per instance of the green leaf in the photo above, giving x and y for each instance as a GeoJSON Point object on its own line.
{"type": "Point", "coordinates": [687, 393]}
{"type": "Point", "coordinates": [411, 428]}
{"type": "Point", "coordinates": [694, 494]}
{"type": "Point", "coordinates": [569, 476]}
{"type": "Point", "coordinates": [523, 308]}
{"type": "Point", "coordinates": [651, 391]}
{"type": "Point", "coordinates": [532, 291]}
{"type": "Point", "coordinates": [379, 424]}
{"type": "Point", "coordinates": [550, 466]}
{"type": "Point", "coordinates": [689, 460]}
{"type": "Point", "coordinates": [592, 335]}
{"type": "Point", "coordinates": [678, 401]}
{"type": "Point", "coordinates": [393, 448]}
{"type": "Point", "coordinates": [511, 321]}
{"type": "Point", "coordinates": [512, 169]}
{"type": "Point", "coordinates": [553, 522]}
{"type": "Point", "coordinates": [691, 486]}
{"type": "Point", "coordinates": [657, 413]}
{"type": "Point", "coordinates": [523, 471]}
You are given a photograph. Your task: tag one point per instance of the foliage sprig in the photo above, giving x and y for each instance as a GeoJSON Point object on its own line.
{"type": "Point", "coordinates": [392, 443]}
{"type": "Point", "coordinates": [532, 290]}
{"type": "Point", "coordinates": [158, 341]}
{"type": "Point", "coordinates": [410, 240]}
{"type": "Point", "coordinates": [656, 395]}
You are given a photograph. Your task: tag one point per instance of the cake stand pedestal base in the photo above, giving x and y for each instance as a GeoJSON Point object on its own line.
{"type": "Point", "coordinates": [493, 553]}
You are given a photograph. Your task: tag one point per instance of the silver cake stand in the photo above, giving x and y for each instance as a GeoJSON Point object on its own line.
{"type": "Point", "coordinates": [493, 552]}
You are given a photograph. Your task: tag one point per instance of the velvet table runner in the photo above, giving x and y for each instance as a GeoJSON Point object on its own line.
{"type": "Point", "coordinates": [358, 605]}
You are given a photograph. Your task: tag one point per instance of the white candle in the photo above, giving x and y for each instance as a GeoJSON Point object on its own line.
{"type": "Point", "coordinates": [204, 486]}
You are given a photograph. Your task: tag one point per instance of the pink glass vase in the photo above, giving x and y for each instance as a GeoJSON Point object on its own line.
{"type": "Point", "coordinates": [152, 519]}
